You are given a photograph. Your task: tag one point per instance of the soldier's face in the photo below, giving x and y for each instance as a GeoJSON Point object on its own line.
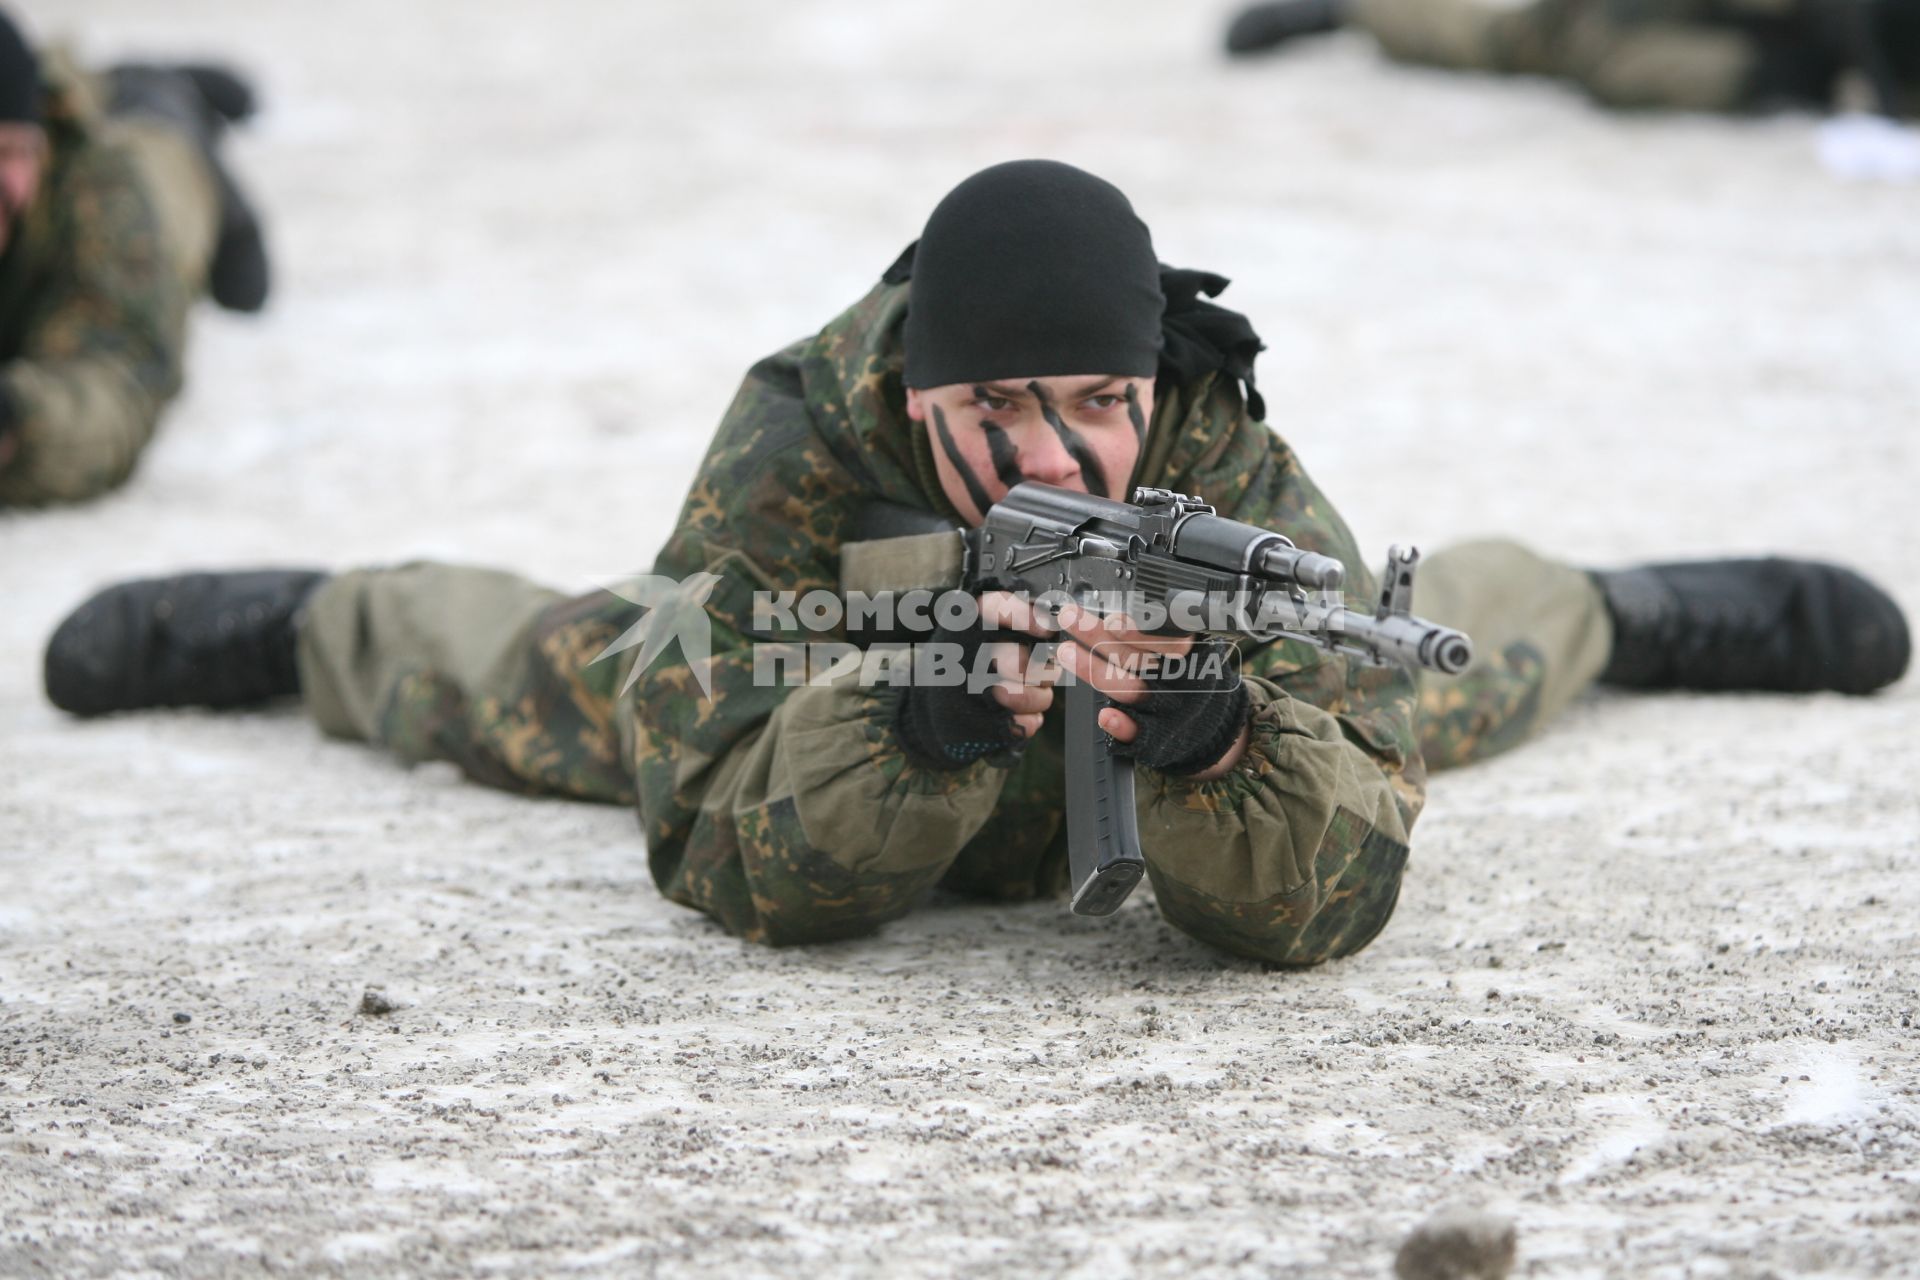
{"type": "Point", "coordinates": [23, 154]}
{"type": "Point", "coordinates": [1080, 432]}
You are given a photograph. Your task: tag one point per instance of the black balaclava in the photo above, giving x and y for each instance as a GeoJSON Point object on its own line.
{"type": "Point", "coordinates": [1032, 269]}
{"type": "Point", "coordinates": [19, 77]}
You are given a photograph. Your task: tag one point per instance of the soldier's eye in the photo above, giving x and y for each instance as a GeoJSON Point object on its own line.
{"type": "Point", "coordinates": [1101, 403]}
{"type": "Point", "coordinates": [994, 404]}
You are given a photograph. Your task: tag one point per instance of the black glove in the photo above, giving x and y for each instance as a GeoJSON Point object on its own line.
{"type": "Point", "coordinates": [944, 726]}
{"type": "Point", "coordinates": [1189, 720]}
{"type": "Point", "coordinates": [9, 424]}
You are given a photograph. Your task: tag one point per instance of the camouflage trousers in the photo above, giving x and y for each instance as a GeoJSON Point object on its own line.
{"type": "Point", "coordinates": [498, 675]}
{"type": "Point", "coordinates": [1626, 53]}
{"type": "Point", "coordinates": [184, 193]}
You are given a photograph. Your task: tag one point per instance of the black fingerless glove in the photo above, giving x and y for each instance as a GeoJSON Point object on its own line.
{"type": "Point", "coordinates": [1188, 721]}
{"type": "Point", "coordinates": [945, 727]}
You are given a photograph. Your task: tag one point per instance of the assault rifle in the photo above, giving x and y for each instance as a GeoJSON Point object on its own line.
{"type": "Point", "coordinates": [1167, 561]}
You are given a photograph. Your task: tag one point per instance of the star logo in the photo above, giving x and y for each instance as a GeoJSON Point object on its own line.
{"type": "Point", "coordinates": [674, 610]}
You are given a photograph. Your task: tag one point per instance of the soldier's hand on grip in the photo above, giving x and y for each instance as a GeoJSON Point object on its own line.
{"type": "Point", "coordinates": [994, 694]}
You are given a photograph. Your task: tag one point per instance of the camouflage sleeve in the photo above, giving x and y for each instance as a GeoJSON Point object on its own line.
{"type": "Point", "coordinates": [1295, 856]}
{"type": "Point", "coordinates": [786, 813]}
{"type": "Point", "coordinates": [103, 346]}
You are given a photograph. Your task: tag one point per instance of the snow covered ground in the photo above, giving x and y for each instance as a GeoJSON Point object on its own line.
{"type": "Point", "coordinates": [1651, 986]}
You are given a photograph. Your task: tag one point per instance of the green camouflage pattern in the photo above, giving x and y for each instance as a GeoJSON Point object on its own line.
{"type": "Point", "coordinates": [791, 815]}
{"type": "Point", "coordinates": [1492, 707]}
{"type": "Point", "coordinates": [93, 303]}
{"type": "Point", "coordinates": [1542, 635]}
{"type": "Point", "coordinates": [1690, 55]}
{"type": "Point", "coordinates": [545, 722]}
{"type": "Point", "coordinates": [473, 666]}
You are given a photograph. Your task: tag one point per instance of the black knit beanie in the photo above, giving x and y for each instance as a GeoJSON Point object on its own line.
{"type": "Point", "coordinates": [19, 77]}
{"type": "Point", "coordinates": [1031, 269]}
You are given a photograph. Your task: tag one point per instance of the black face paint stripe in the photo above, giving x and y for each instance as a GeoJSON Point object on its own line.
{"type": "Point", "coordinates": [1006, 459]}
{"type": "Point", "coordinates": [1138, 419]}
{"type": "Point", "coordinates": [976, 492]}
{"type": "Point", "coordinates": [1090, 468]}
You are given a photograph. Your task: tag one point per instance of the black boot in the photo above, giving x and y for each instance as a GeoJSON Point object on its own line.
{"type": "Point", "coordinates": [1787, 626]}
{"type": "Point", "coordinates": [238, 277]}
{"type": "Point", "coordinates": [165, 93]}
{"type": "Point", "coordinates": [226, 90]}
{"type": "Point", "coordinates": [1267, 26]}
{"type": "Point", "coordinates": [198, 640]}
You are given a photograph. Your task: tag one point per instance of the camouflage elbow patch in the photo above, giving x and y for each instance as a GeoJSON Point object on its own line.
{"type": "Point", "coordinates": [1343, 907]}
{"type": "Point", "coordinates": [766, 883]}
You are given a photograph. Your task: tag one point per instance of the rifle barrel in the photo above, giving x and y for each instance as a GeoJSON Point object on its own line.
{"type": "Point", "coordinates": [1308, 568]}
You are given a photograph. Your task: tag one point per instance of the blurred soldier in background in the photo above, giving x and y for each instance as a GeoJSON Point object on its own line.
{"type": "Point", "coordinates": [1694, 55]}
{"type": "Point", "coordinates": [114, 214]}
{"type": "Point", "coordinates": [1029, 335]}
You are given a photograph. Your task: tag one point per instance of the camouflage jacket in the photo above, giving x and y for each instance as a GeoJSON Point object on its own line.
{"type": "Point", "coordinates": [92, 308]}
{"type": "Point", "coordinates": [790, 813]}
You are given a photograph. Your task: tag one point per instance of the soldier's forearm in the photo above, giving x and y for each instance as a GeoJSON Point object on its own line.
{"type": "Point", "coordinates": [79, 426]}
{"type": "Point", "coordinates": [814, 827]}
{"type": "Point", "coordinates": [1292, 855]}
